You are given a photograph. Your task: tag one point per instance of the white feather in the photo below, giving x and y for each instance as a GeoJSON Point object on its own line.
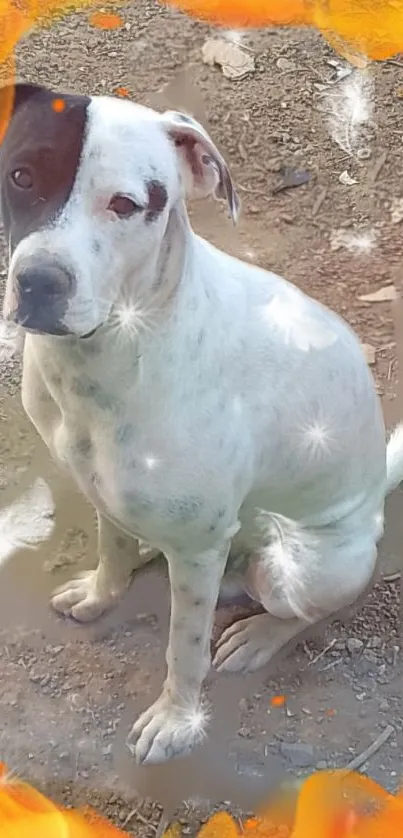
{"type": "Point", "coordinates": [292, 557]}
{"type": "Point", "coordinates": [349, 107]}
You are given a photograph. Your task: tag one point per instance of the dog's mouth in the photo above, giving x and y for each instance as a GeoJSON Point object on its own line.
{"type": "Point", "coordinates": [92, 332]}
{"type": "Point", "coordinates": [89, 334]}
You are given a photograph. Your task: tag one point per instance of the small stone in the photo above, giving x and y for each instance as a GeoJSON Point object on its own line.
{"type": "Point", "coordinates": [371, 656]}
{"type": "Point", "coordinates": [384, 705]}
{"type": "Point", "coordinates": [298, 753]}
{"type": "Point", "coordinates": [354, 645]}
{"type": "Point", "coordinates": [321, 765]}
{"type": "Point", "coordinates": [245, 732]}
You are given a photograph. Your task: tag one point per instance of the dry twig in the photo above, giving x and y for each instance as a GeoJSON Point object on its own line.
{"type": "Point", "coordinates": [372, 749]}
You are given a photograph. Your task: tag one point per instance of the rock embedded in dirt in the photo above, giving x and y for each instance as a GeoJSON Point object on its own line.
{"type": "Point", "coordinates": [387, 294]}
{"type": "Point", "coordinates": [298, 753]}
{"type": "Point", "coordinates": [235, 62]}
{"type": "Point", "coordinates": [370, 353]}
{"type": "Point", "coordinates": [354, 646]}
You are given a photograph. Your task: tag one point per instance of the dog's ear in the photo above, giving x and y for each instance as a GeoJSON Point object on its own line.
{"type": "Point", "coordinates": [204, 170]}
{"type": "Point", "coordinates": [12, 96]}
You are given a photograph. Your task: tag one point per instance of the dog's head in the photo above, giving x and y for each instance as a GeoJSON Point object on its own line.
{"type": "Point", "coordinates": [87, 185]}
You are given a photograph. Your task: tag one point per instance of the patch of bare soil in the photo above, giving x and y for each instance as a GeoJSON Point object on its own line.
{"type": "Point", "coordinates": [69, 695]}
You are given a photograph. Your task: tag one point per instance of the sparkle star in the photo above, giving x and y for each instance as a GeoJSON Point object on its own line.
{"type": "Point", "coordinates": [195, 719]}
{"type": "Point", "coordinates": [129, 319]}
{"type": "Point", "coordinates": [317, 438]}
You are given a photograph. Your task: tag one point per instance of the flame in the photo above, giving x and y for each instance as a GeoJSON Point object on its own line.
{"type": "Point", "coordinates": [357, 29]}
{"type": "Point", "coordinates": [102, 20]}
{"type": "Point", "coordinates": [329, 804]}
{"type": "Point", "coordinates": [370, 28]}
{"type": "Point", "coordinates": [26, 813]}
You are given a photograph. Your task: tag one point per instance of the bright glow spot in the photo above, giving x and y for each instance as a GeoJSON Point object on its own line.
{"type": "Point", "coordinates": [151, 462]}
{"type": "Point", "coordinates": [299, 324]}
{"type": "Point", "coordinates": [235, 36]}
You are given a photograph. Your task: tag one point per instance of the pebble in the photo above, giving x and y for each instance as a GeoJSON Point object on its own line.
{"type": "Point", "coordinates": [354, 646]}
{"type": "Point", "coordinates": [245, 732]}
{"type": "Point", "coordinates": [384, 705]}
{"type": "Point", "coordinates": [298, 753]}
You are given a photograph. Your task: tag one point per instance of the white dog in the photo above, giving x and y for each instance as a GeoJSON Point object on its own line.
{"type": "Point", "coordinates": [204, 406]}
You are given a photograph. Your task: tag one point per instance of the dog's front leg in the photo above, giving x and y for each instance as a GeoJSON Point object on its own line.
{"type": "Point", "coordinates": [95, 591]}
{"type": "Point", "coordinates": [175, 723]}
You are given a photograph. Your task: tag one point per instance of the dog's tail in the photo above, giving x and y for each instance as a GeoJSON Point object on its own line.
{"type": "Point", "coordinates": [394, 459]}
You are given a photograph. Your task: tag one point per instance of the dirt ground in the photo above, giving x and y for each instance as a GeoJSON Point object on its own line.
{"type": "Point", "coordinates": [69, 695]}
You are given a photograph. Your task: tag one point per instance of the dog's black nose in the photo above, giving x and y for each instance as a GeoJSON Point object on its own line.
{"type": "Point", "coordinates": [43, 293]}
{"type": "Point", "coordinates": [44, 281]}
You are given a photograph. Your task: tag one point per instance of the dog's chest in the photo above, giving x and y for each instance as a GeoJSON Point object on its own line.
{"type": "Point", "coordinates": [137, 466]}
{"type": "Point", "coordinates": [134, 478]}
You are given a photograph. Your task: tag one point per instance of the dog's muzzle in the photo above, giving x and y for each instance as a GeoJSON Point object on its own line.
{"type": "Point", "coordinates": [41, 296]}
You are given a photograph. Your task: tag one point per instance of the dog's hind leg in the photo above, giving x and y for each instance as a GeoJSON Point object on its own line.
{"type": "Point", "coordinates": [299, 592]}
{"type": "Point", "coordinates": [95, 591]}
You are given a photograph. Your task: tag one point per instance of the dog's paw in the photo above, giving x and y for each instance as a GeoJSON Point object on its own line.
{"type": "Point", "coordinates": [81, 598]}
{"type": "Point", "coordinates": [245, 645]}
{"type": "Point", "coordinates": [166, 730]}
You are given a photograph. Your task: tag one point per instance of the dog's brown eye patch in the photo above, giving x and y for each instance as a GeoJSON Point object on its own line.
{"type": "Point", "coordinates": [157, 199]}
{"type": "Point", "coordinates": [123, 206]}
{"type": "Point", "coordinates": [22, 178]}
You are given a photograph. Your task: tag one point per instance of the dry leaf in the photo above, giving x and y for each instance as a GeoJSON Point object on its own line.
{"type": "Point", "coordinates": [397, 211]}
{"type": "Point", "coordinates": [385, 295]}
{"type": "Point", "coordinates": [236, 63]}
{"type": "Point", "coordinates": [346, 179]}
{"type": "Point", "coordinates": [370, 353]}
{"type": "Point", "coordinates": [286, 65]}
{"type": "Point", "coordinates": [173, 831]}
{"type": "Point", "coordinates": [291, 178]}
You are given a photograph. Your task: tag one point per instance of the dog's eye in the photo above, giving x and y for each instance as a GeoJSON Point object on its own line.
{"type": "Point", "coordinates": [123, 206]}
{"type": "Point", "coordinates": [22, 178]}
